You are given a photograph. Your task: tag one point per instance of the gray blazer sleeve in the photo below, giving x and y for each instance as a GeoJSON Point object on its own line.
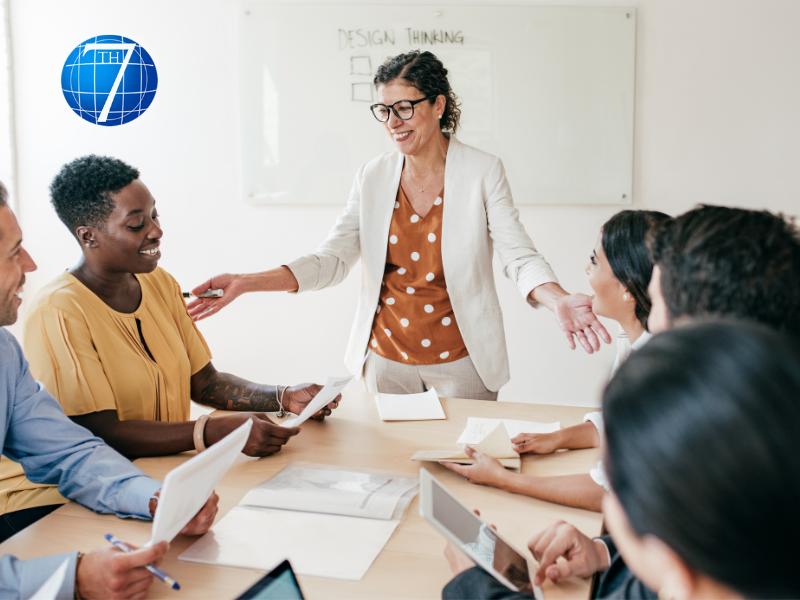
{"type": "Point", "coordinates": [618, 582]}
{"type": "Point", "coordinates": [478, 584]}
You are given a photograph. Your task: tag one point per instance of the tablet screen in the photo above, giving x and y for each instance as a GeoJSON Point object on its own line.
{"type": "Point", "coordinates": [480, 539]}
{"type": "Point", "coordinates": [278, 584]}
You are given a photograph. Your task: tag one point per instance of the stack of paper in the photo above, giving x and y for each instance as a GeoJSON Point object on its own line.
{"type": "Point", "coordinates": [491, 437]}
{"type": "Point", "coordinates": [327, 521]}
{"type": "Point", "coordinates": [410, 407]}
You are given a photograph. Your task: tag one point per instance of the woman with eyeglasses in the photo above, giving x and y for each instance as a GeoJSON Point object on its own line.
{"type": "Point", "coordinates": [425, 220]}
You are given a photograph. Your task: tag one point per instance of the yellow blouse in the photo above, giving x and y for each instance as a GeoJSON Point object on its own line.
{"type": "Point", "coordinates": [93, 358]}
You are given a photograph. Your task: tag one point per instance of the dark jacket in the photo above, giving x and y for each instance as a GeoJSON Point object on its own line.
{"type": "Point", "coordinates": [615, 583]}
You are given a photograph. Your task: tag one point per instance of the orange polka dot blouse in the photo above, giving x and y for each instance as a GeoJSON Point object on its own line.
{"type": "Point", "coordinates": [414, 322]}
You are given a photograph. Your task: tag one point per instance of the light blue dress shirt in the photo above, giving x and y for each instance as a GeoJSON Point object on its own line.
{"type": "Point", "coordinates": [35, 432]}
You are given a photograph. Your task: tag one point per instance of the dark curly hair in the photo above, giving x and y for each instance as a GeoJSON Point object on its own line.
{"type": "Point", "coordinates": [720, 261]}
{"type": "Point", "coordinates": [3, 195]}
{"type": "Point", "coordinates": [426, 73]}
{"type": "Point", "coordinates": [81, 192]}
{"type": "Point", "coordinates": [624, 240]}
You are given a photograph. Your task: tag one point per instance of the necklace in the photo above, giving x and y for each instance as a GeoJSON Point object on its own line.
{"type": "Point", "coordinates": [416, 184]}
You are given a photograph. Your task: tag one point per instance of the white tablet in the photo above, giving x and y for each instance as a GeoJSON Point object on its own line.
{"type": "Point", "coordinates": [188, 486]}
{"type": "Point", "coordinates": [473, 537]}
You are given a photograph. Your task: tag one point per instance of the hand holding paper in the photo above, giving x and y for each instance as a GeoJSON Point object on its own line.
{"type": "Point", "coordinates": [495, 443]}
{"type": "Point", "coordinates": [333, 387]}
{"type": "Point", "coordinates": [188, 487]}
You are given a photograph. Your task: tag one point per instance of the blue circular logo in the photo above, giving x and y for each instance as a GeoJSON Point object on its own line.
{"type": "Point", "coordinates": [109, 80]}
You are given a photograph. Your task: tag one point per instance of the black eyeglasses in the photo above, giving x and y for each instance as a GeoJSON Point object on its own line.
{"type": "Point", "coordinates": [402, 109]}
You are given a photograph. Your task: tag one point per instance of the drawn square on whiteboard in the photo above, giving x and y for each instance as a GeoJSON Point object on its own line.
{"type": "Point", "coordinates": [361, 92]}
{"type": "Point", "coordinates": [360, 65]}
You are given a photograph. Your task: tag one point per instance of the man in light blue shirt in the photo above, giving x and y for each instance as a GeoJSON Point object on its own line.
{"type": "Point", "coordinates": [53, 449]}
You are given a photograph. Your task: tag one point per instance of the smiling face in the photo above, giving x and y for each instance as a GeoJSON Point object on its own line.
{"type": "Point", "coordinates": [14, 263]}
{"type": "Point", "coordinates": [128, 241]}
{"type": "Point", "coordinates": [416, 133]}
{"type": "Point", "coordinates": [611, 299]}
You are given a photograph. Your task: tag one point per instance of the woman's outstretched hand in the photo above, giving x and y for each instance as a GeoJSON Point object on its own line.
{"type": "Point", "coordinates": [231, 286]}
{"type": "Point", "coordinates": [577, 319]}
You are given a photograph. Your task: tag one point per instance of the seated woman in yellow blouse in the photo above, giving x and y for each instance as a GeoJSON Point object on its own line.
{"type": "Point", "coordinates": [112, 341]}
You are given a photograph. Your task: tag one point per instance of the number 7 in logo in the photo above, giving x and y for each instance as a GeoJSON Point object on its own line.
{"type": "Point", "coordinates": [129, 48]}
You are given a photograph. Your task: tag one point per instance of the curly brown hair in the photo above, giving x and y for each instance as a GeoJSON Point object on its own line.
{"type": "Point", "coordinates": [425, 72]}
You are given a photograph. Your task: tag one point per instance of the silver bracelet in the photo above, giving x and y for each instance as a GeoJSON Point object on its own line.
{"type": "Point", "coordinates": [280, 390]}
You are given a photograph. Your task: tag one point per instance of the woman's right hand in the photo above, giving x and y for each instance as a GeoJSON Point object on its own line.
{"type": "Point", "coordinates": [580, 555]}
{"type": "Point", "coordinates": [265, 438]}
{"type": "Point", "coordinates": [232, 287]}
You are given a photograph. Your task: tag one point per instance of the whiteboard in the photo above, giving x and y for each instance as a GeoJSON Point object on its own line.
{"type": "Point", "coordinates": [549, 89]}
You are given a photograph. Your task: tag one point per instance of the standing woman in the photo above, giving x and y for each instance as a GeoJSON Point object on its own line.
{"type": "Point", "coordinates": [425, 220]}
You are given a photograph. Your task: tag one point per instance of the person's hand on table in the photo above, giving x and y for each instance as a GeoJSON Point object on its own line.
{"type": "Point", "coordinates": [577, 319]}
{"type": "Point", "coordinates": [580, 555]}
{"type": "Point", "coordinates": [536, 443]}
{"type": "Point", "coordinates": [457, 560]}
{"type": "Point", "coordinates": [232, 287]}
{"type": "Point", "coordinates": [110, 574]}
{"type": "Point", "coordinates": [296, 397]}
{"type": "Point", "coordinates": [265, 438]}
{"type": "Point", "coordinates": [485, 471]}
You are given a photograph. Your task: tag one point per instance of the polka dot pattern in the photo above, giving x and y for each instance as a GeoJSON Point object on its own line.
{"type": "Point", "coordinates": [413, 320]}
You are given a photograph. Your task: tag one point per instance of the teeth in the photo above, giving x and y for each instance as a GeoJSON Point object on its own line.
{"type": "Point", "coordinates": [402, 136]}
{"type": "Point", "coordinates": [151, 252]}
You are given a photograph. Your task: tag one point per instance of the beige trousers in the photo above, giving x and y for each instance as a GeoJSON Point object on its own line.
{"type": "Point", "coordinates": [457, 379]}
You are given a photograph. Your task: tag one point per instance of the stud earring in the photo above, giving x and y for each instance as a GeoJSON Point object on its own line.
{"type": "Point", "coordinates": [626, 296]}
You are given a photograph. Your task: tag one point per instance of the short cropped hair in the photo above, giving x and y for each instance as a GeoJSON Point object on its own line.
{"type": "Point", "coordinates": [81, 192]}
{"type": "Point", "coordinates": [730, 262]}
{"type": "Point", "coordinates": [701, 451]}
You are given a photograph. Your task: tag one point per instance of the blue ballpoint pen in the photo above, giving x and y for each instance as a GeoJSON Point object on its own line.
{"type": "Point", "coordinates": [120, 545]}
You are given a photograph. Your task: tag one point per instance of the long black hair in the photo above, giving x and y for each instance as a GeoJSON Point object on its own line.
{"type": "Point", "coordinates": [702, 452]}
{"type": "Point", "coordinates": [624, 240]}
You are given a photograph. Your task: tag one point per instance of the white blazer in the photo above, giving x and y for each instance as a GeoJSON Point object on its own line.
{"type": "Point", "coordinates": [479, 216]}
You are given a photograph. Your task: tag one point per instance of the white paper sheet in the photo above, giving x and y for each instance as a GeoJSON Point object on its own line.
{"type": "Point", "coordinates": [187, 487]}
{"type": "Point", "coordinates": [410, 407]}
{"type": "Point", "coordinates": [54, 583]}
{"type": "Point", "coordinates": [478, 428]}
{"type": "Point", "coordinates": [332, 388]}
{"type": "Point", "coordinates": [335, 490]}
{"type": "Point", "coordinates": [321, 545]}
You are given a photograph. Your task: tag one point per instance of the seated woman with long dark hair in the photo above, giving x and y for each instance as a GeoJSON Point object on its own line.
{"type": "Point", "coordinates": [701, 454]}
{"type": "Point", "coordinates": [111, 338]}
{"type": "Point", "coordinates": [618, 272]}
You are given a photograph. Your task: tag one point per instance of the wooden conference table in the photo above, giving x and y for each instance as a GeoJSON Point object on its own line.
{"type": "Point", "coordinates": [411, 565]}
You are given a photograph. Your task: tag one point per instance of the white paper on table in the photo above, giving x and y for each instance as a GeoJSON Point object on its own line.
{"type": "Point", "coordinates": [187, 487]}
{"type": "Point", "coordinates": [497, 444]}
{"type": "Point", "coordinates": [478, 428]}
{"type": "Point", "coordinates": [335, 490]}
{"type": "Point", "coordinates": [321, 545]}
{"type": "Point", "coordinates": [332, 388]}
{"type": "Point", "coordinates": [425, 406]}
{"type": "Point", "coordinates": [50, 588]}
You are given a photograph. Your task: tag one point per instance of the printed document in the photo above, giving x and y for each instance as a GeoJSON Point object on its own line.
{"type": "Point", "coordinates": [410, 407]}
{"type": "Point", "coordinates": [332, 388]}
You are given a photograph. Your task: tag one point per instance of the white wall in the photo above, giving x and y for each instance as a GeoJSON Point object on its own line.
{"type": "Point", "coordinates": [716, 121]}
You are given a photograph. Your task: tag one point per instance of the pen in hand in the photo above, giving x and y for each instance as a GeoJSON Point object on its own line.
{"type": "Point", "coordinates": [211, 293]}
{"type": "Point", "coordinates": [158, 573]}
